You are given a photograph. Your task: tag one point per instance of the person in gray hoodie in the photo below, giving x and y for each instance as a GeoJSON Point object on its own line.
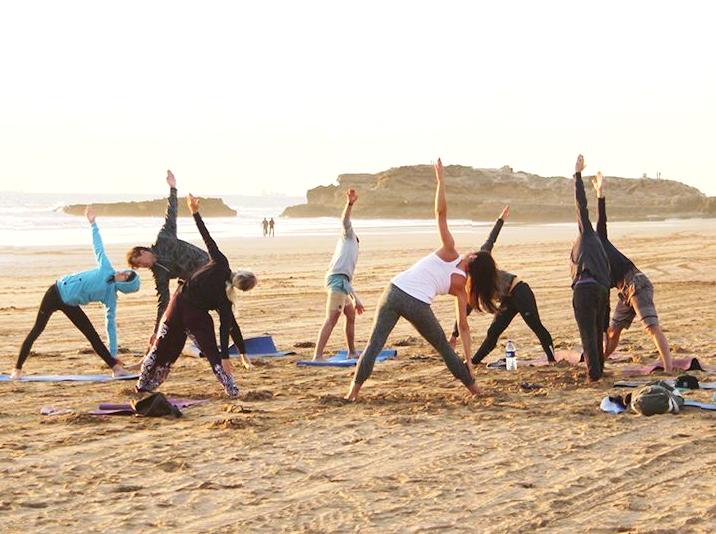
{"type": "Point", "coordinates": [341, 297]}
{"type": "Point", "coordinates": [169, 257]}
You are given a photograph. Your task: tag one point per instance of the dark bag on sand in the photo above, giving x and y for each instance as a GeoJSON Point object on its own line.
{"type": "Point", "coordinates": [156, 405]}
{"type": "Point", "coordinates": [687, 382]}
{"type": "Point", "coordinates": [658, 397]}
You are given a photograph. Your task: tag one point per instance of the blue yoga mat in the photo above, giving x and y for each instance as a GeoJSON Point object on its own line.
{"type": "Point", "coordinates": [702, 405]}
{"type": "Point", "coordinates": [340, 359]}
{"type": "Point", "coordinates": [256, 347]}
{"type": "Point", "coordinates": [67, 378]}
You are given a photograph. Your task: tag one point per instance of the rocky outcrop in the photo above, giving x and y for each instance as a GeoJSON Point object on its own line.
{"type": "Point", "coordinates": [479, 194]}
{"type": "Point", "coordinates": [210, 207]}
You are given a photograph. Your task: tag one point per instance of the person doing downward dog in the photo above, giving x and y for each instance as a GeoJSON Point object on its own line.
{"type": "Point", "coordinates": [168, 257]}
{"type": "Point", "coordinates": [514, 296]}
{"type": "Point", "coordinates": [410, 295]}
{"type": "Point", "coordinates": [636, 293]}
{"type": "Point", "coordinates": [212, 287]}
{"type": "Point", "coordinates": [74, 290]}
{"type": "Point", "coordinates": [590, 282]}
{"type": "Point", "coordinates": [341, 296]}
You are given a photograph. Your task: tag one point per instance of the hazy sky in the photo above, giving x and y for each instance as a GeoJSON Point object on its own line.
{"type": "Point", "coordinates": [245, 97]}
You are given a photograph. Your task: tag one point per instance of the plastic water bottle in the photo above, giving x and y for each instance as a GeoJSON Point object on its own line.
{"type": "Point", "coordinates": [510, 356]}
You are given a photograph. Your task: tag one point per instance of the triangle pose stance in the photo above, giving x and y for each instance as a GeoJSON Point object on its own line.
{"type": "Point", "coordinates": [514, 296]}
{"type": "Point", "coordinates": [341, 296]}
{"type": "Point", "coordinates": [636, 293]}
{"type": "Point", "coordinates": [70, 292]}
{"type": "Point", "coordinates": [410, 295]}
{"type": "Point", "coordinates": [212, 287]}
{"type": "Point", "coordinates": [590, 282]}
{"type": "Point", "coordinates": [169, 257]}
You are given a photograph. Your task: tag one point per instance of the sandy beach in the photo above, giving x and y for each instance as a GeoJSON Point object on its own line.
{"type": "Point", "coordinates": [414, 455]}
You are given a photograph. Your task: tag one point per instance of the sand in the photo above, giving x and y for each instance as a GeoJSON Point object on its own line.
{"type": "Point", "coordinates": [416, 454]}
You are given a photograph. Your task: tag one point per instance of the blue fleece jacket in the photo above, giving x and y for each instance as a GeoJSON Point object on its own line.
{"type": "Point", "coordinates": [97, 285]}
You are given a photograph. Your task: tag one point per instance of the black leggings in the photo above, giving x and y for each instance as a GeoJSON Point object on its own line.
{"type": "Point", "coordinates": [522, 301]}
{"type": "Point", "coordinates": [180, 320]}
{"type": "Point", "coordinates": [591, 311]}
{"type": "Point", "coordinates": [51, 303]}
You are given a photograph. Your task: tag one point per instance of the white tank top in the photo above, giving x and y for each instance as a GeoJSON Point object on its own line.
{"type": "Point", "coordinates": [428, 278]}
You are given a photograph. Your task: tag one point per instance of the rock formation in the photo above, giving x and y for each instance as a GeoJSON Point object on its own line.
{"type": "Point", "coordinates": [479, 194]}
{"type": "Point", "coordinates": [210, 207]}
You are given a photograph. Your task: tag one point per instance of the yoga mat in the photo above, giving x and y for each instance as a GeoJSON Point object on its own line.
{"type": "Point", "coordinates": [340, 359]}
{"type": "Point", "coordinates": [628, 384]}
{"type": "Point", "coordinates": [67, 378]}
{"type": "Point", "coordinates": [702, 405]}
{"type": "Point", "coordinates": [574, 357]}
{"type": "Point", "coordinates": [126, 409]}
{"type": "Point", "coordinates": [682, 364]}
{"type": "Point", "coordinates": [256, 347]}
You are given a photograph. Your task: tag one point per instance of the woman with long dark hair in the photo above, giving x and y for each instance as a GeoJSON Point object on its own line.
{"type": "Point", "coordinates": [487, 285]}
{"type": "Point", "coordinates": [410, 295]}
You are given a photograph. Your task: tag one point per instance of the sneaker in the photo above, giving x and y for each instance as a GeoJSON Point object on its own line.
{"type": "Point", "coordinates": [499, 364]}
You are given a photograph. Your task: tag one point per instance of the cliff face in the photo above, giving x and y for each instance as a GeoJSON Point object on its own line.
{"type": "Point", "coordinates": [210, 207]}
{"type": "Point", "coordinates": [479, 194]}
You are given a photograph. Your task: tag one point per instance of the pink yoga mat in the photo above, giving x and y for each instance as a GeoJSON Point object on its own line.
{"type": "Point", "coordinates": [683, 364]}
{"type": "Point", "coordinates": [126, 409]}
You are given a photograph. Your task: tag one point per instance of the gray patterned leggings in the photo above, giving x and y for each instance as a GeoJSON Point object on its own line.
{"type": "Point", "coordinates": [394, 304]}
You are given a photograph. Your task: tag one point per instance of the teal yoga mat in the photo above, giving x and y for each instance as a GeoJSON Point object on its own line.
{"type": "Point", "coordinates": [256, 347]}
{"type": "Point", "coordinates": [340, 359]}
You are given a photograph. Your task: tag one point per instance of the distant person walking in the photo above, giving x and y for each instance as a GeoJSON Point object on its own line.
{"type": "Point", "coordinates": [272, 226]}
{"type": "Point", "coordinates": [636, 293]}
{"type": "Point", "coordinates": [410, 295]}
{"type": "Point", "coordinates": [264, 225]}
{"type": "Point", "coordinates": [169, 257]}
{"type": "Point", "coordinates": [590, 282]}
{"type": "Point", "coordinates": [342, 298]}
{"type": "Point", "coordinates": [212, 287]}
{"type": "Point", "coordinates": [514, 296]}
{"type": "Point", "coordinates": [70, 292]}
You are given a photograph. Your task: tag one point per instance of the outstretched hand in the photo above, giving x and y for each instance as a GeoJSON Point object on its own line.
{"type": "Point", "coordinates": [439, 170]}
{"type": "Point", "coordinates": [171, 180]}
{"type": "Point", "coordinates": [89, 213]}
{"type": "Point", "coordinates": [192, 203]}
{"type": "Point", "coordinates": [598, 182]}
{"type": "Point", "coordinates": [580, 165]}
{"type": "Point", "coordinates": [351, 196]}
{"type": "Point", "coordinates": [505, 213]}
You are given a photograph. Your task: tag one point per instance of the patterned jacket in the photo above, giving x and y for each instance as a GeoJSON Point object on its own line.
{"type": "Point", "coordinates": [175, 258]}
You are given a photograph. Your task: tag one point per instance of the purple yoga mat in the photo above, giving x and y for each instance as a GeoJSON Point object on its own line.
{"type": "Point", "coordinates": [108, 408]}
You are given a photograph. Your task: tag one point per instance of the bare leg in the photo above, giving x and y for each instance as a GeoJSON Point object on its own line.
{"type": "Point", "coordinates": [350, 312]}
{"type": "Point", "coordinates": [325, 333]}
{"type": "Point", "coordinates": [612, 340]}
{"type": "Point", "coordinates": [662, 345]}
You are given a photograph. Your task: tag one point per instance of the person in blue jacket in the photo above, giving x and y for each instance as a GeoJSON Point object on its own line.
{"type": "Point", "coordinates": [73, 290]}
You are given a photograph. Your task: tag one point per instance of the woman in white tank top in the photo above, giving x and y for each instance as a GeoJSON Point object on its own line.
{"type": "Point", "coordinates": [410, 294]}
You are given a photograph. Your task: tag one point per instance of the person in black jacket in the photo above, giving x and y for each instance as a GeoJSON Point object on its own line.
{"type": "Point", "coordinates": [212, 287]}
{"type": "Point", "coordinates": [168, 257]}
{"type": "Point", "coordinates": [514, 296]}
{"type": "Point", "coordinates": [636, 293]}
{"type": "Point", "coordinates": [590, 282]}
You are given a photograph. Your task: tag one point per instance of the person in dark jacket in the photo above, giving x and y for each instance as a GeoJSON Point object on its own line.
{"type": "Point", "coordinates": [636, 293]}
{"type": "Point", "coordinates": [514, 296]}
{"type": "Point", "coordinates": [212, 287]}
{"type": "Point", "coordinates": [590, 282]}
{"type": "Point", "coordinates": [168, 257]}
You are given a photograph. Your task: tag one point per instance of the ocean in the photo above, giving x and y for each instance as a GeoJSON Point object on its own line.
{"type": "Point", "coordinates": [34, 220]}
